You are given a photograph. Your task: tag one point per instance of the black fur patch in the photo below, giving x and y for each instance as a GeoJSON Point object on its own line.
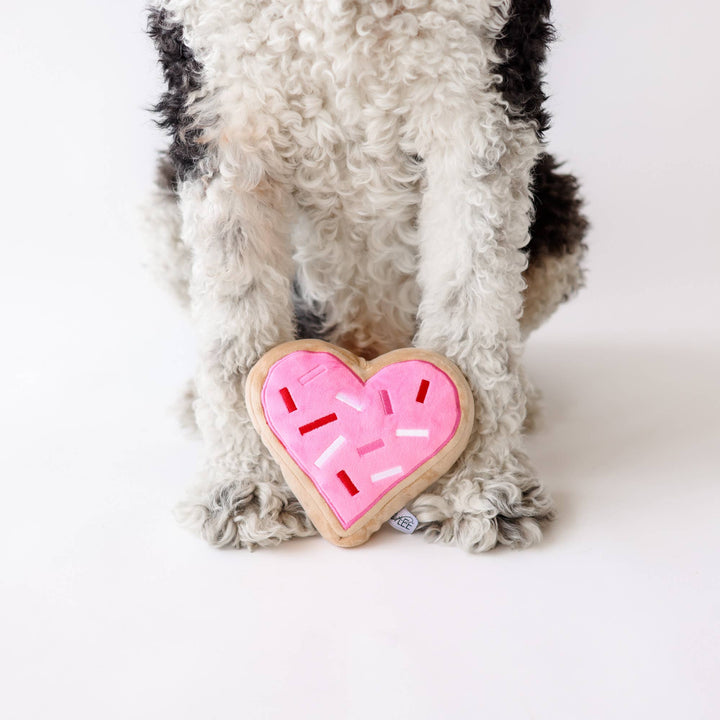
{"type": "Point", "coordinates": [309, 322]}
{"type": "Point", "coordinates": [524, 43]}
{"type": "Point", "coordinates": [165, 174]}
{"type": "Point", "coordinates": [182, 74]}
{"type": "Point", "coordinates": [559, 225]}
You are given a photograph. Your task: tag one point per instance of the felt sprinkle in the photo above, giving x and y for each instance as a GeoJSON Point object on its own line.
{"type": "Point", "coordinates": [352, 402]}
{"type": "Point", "coordinates": [374, 445]}
{"type": "Point", "coordinates": [348, 483]}
{"type": "Point", "coordinates": [383, 474]}
{"type": "Point", "coordinates": [412, 432]}
{"type": "Point", "coordinates": [315, 424]}
{"type": "Point", "coordinates": [311, 374]}
{"type": "Point", "coordinates": [288, 400]}
{"type": "Point", "coordinates": [422, 391]}
{"type": "Point", "coordinates": [330, 451]}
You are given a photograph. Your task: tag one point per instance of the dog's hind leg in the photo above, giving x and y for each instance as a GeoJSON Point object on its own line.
{"type": "Point", "coordinates": [162, 226]}
{"type": "Point", "coordinates": [556, 248]}
{"type": "Point", "coordinates": [169, 258]}
{"type": "Point", "coordinates": [555, 254]}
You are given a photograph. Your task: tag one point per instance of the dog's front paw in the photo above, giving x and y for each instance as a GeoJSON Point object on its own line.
{"type": "Point", "coordinates": [473, 533]}
{"type": "Point", "coordinates": [244, 514]}
{"type": "Point", "coordinates": [476, 514]}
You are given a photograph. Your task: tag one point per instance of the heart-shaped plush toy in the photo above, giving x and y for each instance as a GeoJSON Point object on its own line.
{"type": "Point", "coordinates": [356, 439]}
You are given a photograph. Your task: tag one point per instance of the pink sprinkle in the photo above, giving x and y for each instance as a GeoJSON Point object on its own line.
{"type": "Point", "coordinates": [374, 445]}
{"type": "Point", "coordinates": [387, 405]}
{"type": "Point", "coordinates": [311, 374]}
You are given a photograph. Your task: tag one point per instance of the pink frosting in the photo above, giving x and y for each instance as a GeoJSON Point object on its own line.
{"type": "Point", "coordinates": [355, 440]}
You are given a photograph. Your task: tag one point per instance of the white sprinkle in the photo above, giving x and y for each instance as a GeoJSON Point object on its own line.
{"type": "Point", "coordinates": [376, 477]}
{"type": "Point", "coordinates": [411, 432]}
{"type": "Point", "coordinates": [311, 374]}
{"type": "Point", "coordinates": [331, 450]}
{"type": "Point", "coordinates": [352, 402]}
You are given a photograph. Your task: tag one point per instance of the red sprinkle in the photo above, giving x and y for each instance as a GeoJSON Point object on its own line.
{"type": "Point", "coordinates": [422, 391]}
{"type": "Point", "coordinates": [315, 424]}
{"type": "Point", "coordinates": [288, 400]}
{"type": "Point", "coordinates": [348, 483]}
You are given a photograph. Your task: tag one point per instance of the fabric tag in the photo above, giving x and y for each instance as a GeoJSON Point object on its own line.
{"type": "Point", "coordinates": [404, 521]}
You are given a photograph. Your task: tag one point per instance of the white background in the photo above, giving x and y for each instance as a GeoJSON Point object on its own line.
{"type": "Point", "coordinates": [109, 610]}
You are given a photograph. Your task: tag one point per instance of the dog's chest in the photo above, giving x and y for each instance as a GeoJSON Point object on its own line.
{"type": "Point", "coordinates": [326, 72]}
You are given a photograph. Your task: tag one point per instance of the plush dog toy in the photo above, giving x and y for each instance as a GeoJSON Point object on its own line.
{"type": "Point", "coordinates": [370, 173]}
{"type": "Point", "coordinates": [356, 439]}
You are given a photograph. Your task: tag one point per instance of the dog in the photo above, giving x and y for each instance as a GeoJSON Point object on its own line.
{"type": "Point", "coordinates": [372, 173]}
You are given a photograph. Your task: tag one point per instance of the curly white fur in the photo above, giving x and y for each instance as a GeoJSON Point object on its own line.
{"type": "Point", "coordinates": [312, 112]}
